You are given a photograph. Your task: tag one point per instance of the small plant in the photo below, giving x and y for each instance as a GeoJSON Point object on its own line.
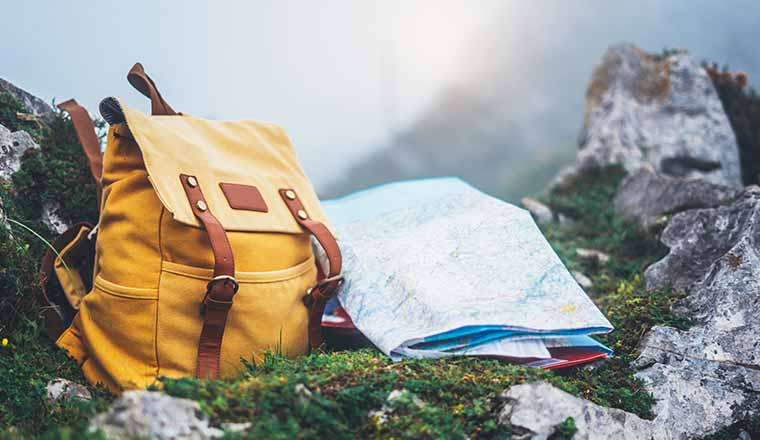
{"type": "Point", "coordinates": [42, 239]}
{"type": "Point", "coordinates": [10, 108]}
{"type": "Point", "coordinates": [742, 106]}
{"type": "Point", "coordinates": [565, 430]}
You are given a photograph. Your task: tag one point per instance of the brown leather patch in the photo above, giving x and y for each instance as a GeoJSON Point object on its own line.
{"type": "Point", "coordinates": [245, 197]}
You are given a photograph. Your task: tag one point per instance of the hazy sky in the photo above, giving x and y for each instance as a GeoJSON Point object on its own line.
{"type": "Point", "coordinates": [327, 71]}
{"type": "Point", "coordinates": [340, 76]}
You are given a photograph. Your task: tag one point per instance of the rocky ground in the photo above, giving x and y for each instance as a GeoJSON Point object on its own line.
{"type": "Point", "coordinates": [653, 220]}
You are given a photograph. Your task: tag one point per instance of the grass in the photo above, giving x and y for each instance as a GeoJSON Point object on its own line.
{"type": "Point", "coordinates": [331, 393]}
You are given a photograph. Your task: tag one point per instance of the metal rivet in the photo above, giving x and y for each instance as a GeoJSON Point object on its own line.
{"type": "Point", "coordinates": [201, 205]}
{"type": "Point", "coordinates": [192, 182]}
{"type": "Point", "coordinates": [302, 214]}
{"type": "Point", "coordinates": [290, 195]}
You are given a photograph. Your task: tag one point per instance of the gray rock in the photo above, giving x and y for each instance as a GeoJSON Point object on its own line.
{"type": "Point", "coordinates": [702, 241]}
{"type": "Point", "coordinates": [695, 395]}
{"type": "Point", "coordinates": [647, 196]}
{"type": "Point", "coordinates": [533, 411]}
{"type": "Point", "coordinates": [237, 427]}
{"type": "Point", "coordinates": [64, 390]}
{"type": "Point", "coordinates": [565, 221]}
{"type": "Point", "coordinates": [154, 415]}
{"type": "Point", "coordinates": [381, 416]}
{"type": "Point", "coordinates": [708, 376]}
{"type": "Point", "coordinates": [305, 396]}
{"type": "Point", "coordinates": [51, 219]}
{"type": "Point", "coordinates": [744, 435]}
{"type": "Point", "coordinates": [666, 112]}
{"type": "Point", "coordinates": [395, 395]}
{"type": "Point", "coordinates": [582, 280]}
{"type": "Point", "coordinates": [539, 211]}
{"type": "Point", "coordinates": [13, 145]}
{"type": "Point", "coordinates": [33, 104]}
{"type": "Point", "coordinates": [565, 177]}
{"type": "Point", "coordinates": [592, 256]}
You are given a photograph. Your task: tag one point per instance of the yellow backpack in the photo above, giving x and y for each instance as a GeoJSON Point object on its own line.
{"type": "Point", "coordinates": [202, 256]}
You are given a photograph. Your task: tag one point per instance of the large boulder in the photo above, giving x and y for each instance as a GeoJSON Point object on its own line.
{"type": "Point", "coordinates": [647, 196]}
{"type": "Point", "coordinates": [33, 104]}
{"type": "Point", "coordinates": [664, 111]}
{"type": "Point", "coordinates": [13, 145]}
{"type": "Point", "coordinates": [708, 376]}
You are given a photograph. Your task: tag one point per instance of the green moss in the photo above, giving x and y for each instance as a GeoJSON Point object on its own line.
{"type": "Point", "coordinates": [459, 396]}
{"type": "Point", "coordinates": [27, 364]}
{"type": "Point", "coordinates": [565, 430]}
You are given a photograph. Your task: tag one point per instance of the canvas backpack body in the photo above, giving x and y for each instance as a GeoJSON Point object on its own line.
{"type": "Point", "coordinates": [203, 255]}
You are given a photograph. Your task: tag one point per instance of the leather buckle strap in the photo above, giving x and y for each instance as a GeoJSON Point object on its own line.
{"type": "Point", "coordinates": [336, 278]}
{"type": "Point", "coordinates": [326, 285]}
{"type": "Point", "coordinates": [325, 289]}
{"type": "Point", "coordinates": [219, 291]}
{"type": "Point", "coordinates": [210, 303]}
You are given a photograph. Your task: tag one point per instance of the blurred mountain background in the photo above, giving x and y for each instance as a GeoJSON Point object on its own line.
{"type": "Point", "coordinates": [512, 120]}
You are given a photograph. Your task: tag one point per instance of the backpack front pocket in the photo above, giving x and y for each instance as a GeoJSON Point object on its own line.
{"type": "Point", "coordinates": [116, 328]}
{"type": "Point", "coordinates": [267, 314]}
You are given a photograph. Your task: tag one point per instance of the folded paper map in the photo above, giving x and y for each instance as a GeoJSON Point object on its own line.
{"type": "Point", "coordinates": [437, 268]}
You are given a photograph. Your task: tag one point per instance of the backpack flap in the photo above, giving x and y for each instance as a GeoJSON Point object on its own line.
{"type": "Point", "coordinates": [240, 167]}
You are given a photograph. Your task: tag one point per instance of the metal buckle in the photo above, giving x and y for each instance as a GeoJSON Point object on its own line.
{"type": "Point", "coordinates": [207, 297]}
{"type": "Point", "coordinates": [93, 232]}
{"type": "Point", "coordinates": [229, 278]}
{"type": "Point", "coordinates": [339, 278]}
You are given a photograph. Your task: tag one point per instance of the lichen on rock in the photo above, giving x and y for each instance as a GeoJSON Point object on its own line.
{"type": "Point", "coordinates": [663, 111]}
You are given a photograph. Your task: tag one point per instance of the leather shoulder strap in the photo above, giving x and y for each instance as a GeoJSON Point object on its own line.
{"type": "Point", "coordinates": [56, 310]}
{"type": "Point", "coordinates": [145, 85]}
{"type": "Point", "coordinates": [87, 137]}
